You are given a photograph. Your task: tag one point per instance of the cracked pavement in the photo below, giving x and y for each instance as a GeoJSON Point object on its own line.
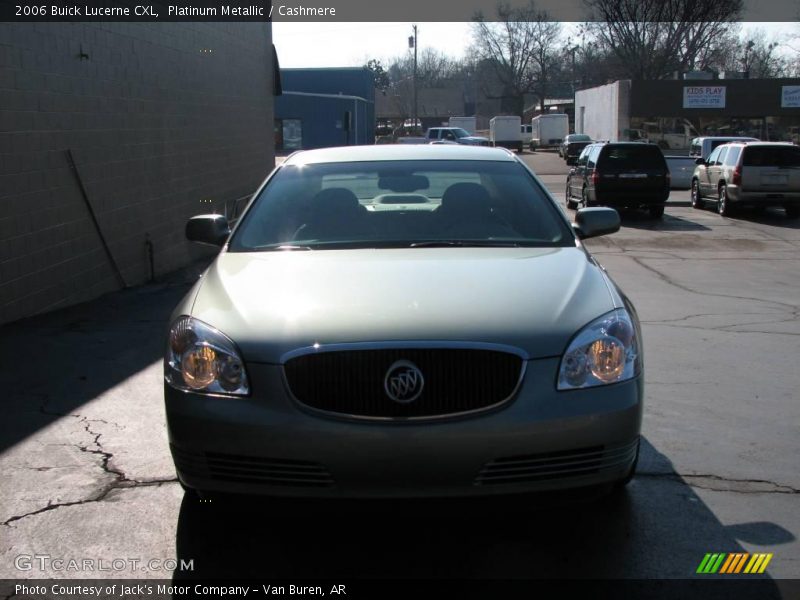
{"type": "Point", "coordinates": [87, 472]}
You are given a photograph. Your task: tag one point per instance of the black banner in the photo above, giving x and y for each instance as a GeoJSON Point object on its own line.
{"type": "Point", "coordinates": [733, 588]}
{"type": "Point", "coordinates": [319, 10]}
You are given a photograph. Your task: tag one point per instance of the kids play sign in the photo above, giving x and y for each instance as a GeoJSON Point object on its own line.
{"type": "Point", "coordinates": [704, 96]}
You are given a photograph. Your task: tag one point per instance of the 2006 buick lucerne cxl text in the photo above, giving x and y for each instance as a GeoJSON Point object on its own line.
{"type": "Point", "coordinates": [398, 321]}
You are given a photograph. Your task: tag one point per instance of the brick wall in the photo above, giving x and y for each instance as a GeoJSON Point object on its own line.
{"type": "Point", "coordinates": [163, 120]}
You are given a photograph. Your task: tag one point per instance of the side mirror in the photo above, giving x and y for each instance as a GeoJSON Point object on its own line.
{"type": "Point", "coordinates": [699, 161]}
{"type": "Point", "coordinates": [208, 229]}
{"type": "Point", "coordinates": [595, 221]}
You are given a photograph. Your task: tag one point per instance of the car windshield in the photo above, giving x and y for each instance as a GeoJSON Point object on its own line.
{"type": "Point", "coordinates": [579, 137]}
{"type": "Point", "coordinates": [401, 204]}
{"type": "Point", "coordinates": [460, 133]}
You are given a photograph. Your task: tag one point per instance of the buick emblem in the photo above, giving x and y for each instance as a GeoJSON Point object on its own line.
{"type": "Point", "coordinates": [403, 382]}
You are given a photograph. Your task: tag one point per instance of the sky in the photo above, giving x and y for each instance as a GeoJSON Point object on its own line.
{"type": "Point", "coordinates": [353, 44]}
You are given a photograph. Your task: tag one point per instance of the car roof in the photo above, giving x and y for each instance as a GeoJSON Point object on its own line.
{"type": "Point", "coordinates": [391, 152]}
{"type": "Point", "coordinates": [724, 137]}
{"type": "Point", "coordinates": [757, 143]}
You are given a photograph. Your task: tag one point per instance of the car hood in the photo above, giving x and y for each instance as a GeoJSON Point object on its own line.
{"type": "Point", "coordinates": [473, 139]}
{"type": "Point", "coordinates": [271, 303]}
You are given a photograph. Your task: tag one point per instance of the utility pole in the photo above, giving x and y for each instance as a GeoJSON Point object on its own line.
{"type": "Point", "coordinates": [412, 43]}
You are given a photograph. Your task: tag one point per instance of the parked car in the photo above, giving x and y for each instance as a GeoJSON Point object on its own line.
{"type": "Point", "coordinates": [620, 174]}
{"type": "Point", "coordinates": [403, 321]}
{"type": "Point", "coordinates": [572, 146]}
{"type": "Point", "coordinates": [702, 147]}
{"type": "Point", "coordinates": [749, 174]}
{"type": "Point", "coordinates": [455, 135]}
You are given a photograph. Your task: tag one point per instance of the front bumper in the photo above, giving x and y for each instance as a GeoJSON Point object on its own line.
{"type": "Point", "coordinates": [269, 444]}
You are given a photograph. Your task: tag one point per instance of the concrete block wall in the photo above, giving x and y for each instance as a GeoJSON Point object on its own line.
{"type": "Point", "coordinates": [164, 121]}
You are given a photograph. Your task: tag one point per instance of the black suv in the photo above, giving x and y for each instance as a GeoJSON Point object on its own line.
{"type": "Point", "coordinates": [620, 174]}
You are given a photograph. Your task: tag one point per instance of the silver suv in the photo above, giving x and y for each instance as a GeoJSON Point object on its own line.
{"type": "Point", "coordinates": [749, 174]}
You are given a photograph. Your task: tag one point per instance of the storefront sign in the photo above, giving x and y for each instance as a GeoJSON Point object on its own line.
{"type": "Point", "coordinates": [790, 96]}
{"type": "Point", "coordinates": [704, 96]}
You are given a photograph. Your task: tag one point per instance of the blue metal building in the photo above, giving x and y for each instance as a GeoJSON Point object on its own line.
{"type": "Point", "coordinates": [320, 108]}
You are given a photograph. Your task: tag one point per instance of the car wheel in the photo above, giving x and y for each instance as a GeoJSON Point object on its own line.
{"type": "Point", "coordinates": [792, 212]}
{"type": "Point", "coordinates": [657, 211]}
{"type": "Point", "coordinates": [723, 204]}
{"type": "Point", "coordinates": [697, 200]}
{"type": "Point", "coordinates": [571, 204]}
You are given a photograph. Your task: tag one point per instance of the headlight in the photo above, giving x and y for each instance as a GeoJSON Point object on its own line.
{"type": "Point", "coordinates": [201, 359]}
{"type": "Point", "coordinates": [605, 351]}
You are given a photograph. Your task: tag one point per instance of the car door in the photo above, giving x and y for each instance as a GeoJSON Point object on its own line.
{"type": "Point", "coordinates": [591, 166]}
{"type": "Point", "coordinates": [716, 171]}
{"type": "Point", "coordinates": [772, 169]}
{"type": "Point", "coordinates": [704, 174]}
{"type": "Point", "coordinates": [578, 173]}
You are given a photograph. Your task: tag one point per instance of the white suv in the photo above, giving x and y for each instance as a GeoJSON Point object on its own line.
{"type": "Point", "coordinates": [749, 174]}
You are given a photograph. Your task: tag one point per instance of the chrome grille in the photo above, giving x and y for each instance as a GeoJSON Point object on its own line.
{"type": "Point", "coordinates": [351, 382]}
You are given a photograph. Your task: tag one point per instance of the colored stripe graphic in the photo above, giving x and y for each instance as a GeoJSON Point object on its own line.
{"type": "Point", "coordinates": [711, 563]}
{"type": "Point", "coordinates": [765, 563]}
{"type": "Point", "coordinates": [729, 564]}
{"type": "Point", "coordinates": [758, 563]}
{"type": "Point", "coordinates": [740, 564]}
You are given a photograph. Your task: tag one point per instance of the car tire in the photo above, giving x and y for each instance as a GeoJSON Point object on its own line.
{"type": "Point", "coordinates": [656, 211]}
{"type": "Point", "coordinates": [697, 199]}
{"type": "Point", "coordinates": [571, 204]}
{"type": "Point", "coordinates": [792, 212]}
{"type": "Point", "coordinates": [723, 203]}
{"type": "Point", "coordinates": [585, 202]}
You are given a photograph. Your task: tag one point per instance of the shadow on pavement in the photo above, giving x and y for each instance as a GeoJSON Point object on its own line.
{"type": "Point", "coordinates": [772, 216]}
{"type": "Point", "coordinates": [640, 219]}
{"type": "Point", "coordinates": [54, 363]}
{"type": "Point", "coordinates": [657, 528]}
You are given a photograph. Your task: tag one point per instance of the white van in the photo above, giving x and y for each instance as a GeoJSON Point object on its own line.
{"type": "Point", "coordinates": [703, 146]}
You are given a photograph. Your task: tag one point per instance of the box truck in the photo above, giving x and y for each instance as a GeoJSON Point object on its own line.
{"type": "Point", "coordinates": [548, 131]}
{"type": "Point", "coordinates": [505, 131]}
{"type": "Point", "coordinates": [467, 123]}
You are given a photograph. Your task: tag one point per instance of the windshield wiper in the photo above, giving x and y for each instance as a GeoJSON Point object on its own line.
{"type": "Point", "coordinates": [464, 244]}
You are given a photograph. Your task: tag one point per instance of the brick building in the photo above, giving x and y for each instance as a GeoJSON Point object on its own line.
{"type": "Point", "coordinates": [162, 121]}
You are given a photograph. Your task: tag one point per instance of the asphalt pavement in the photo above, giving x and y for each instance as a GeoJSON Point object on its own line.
{"type": "Point", "coordinates": [87, 472]}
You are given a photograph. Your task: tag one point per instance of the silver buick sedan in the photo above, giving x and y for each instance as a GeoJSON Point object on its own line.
{"type": "Point", "coordinates": [400, 321]}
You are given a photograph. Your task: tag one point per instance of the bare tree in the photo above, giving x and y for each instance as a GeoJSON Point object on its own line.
{"type": "Point", "coordinates": [761, 58]}
{"type": "Point", "coordinates": [654, 38]}
{"type": "Point", "coordinates": [433, 68]}
{"type": "Point", "coordinates": [521, 47]}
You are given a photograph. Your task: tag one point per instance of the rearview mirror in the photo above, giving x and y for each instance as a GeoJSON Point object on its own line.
{"type": "Point", "coordinates": [208, 229]}
{"type": "Point", "coordinates": [595, 221]}
{"type": "Point", "coordinates": [700, 161]}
